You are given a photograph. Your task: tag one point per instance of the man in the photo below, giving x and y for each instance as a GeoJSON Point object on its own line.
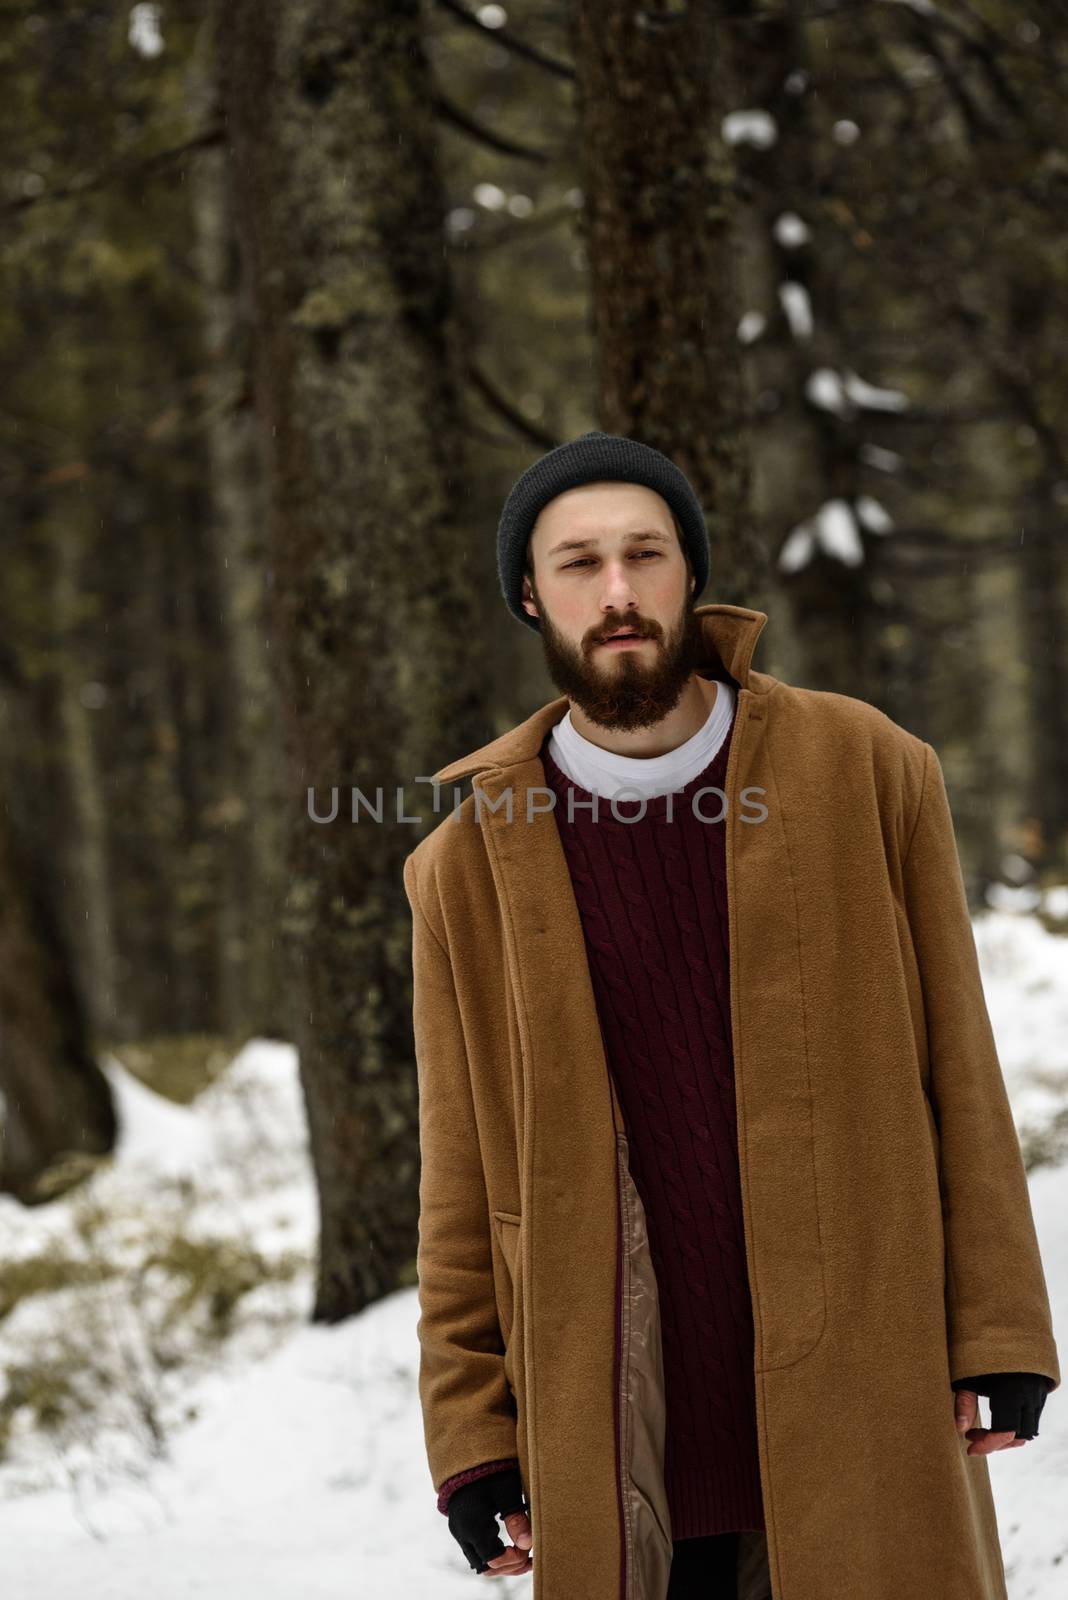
{"type": "Point", "coordinates": [723, 1219]}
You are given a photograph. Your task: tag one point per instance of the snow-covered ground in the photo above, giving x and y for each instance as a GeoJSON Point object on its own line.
{"type": "Point", "coordinates": [204, 1439]}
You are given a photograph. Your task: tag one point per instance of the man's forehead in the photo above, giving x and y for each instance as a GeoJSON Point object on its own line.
{"type": "Point", "coordinates": [577, 514]}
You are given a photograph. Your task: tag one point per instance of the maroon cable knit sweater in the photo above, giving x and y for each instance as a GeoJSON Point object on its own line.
{"type": "Point", "coordinates": [652, 898]}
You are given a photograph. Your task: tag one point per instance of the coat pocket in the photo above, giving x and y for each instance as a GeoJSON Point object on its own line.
{"type": "Point", "coordinates": [932, 1129]}
{"type": "Point", "coordinates": [936, 1144]}
{"type": "Point", "coordinates": [506, 1227]}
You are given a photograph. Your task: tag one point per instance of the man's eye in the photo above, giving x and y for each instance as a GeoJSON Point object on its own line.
{"type": "Point", "coordinates": [582, 559]}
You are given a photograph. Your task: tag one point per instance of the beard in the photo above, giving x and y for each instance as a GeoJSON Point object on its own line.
{"type": "Point", "coordinates": [626, 689]}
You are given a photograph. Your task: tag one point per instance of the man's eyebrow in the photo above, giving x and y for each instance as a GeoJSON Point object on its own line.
{"type": "Point", "coordinates": [628, 538]}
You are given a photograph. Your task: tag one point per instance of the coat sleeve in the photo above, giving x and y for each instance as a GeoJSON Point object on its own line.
{"type": "Point", "coordinates": [469, 1415]}
{"type": "Point", "coordinates": [997, 1306]}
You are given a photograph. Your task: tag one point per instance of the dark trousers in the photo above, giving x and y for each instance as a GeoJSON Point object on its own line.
{"type": "Point", "coordinates": [705, 1568]}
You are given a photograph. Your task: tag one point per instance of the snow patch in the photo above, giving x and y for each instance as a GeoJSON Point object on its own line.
{"type": "Point", "coordinates": [750, 127]}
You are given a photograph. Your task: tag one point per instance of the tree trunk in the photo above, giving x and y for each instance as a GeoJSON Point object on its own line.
{"type": "Point", "coordinates": [1045, 649]}
{"type": "Point", "coordinates": [56, 1101]}
{"type": "Point", "coordinates": [251, 798]}
{"type": "Point", "coordinates": [374, 596]}
{"type": "Point", "coordinates": [658, 181]}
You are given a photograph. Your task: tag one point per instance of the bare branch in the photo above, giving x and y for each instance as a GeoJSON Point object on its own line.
{"type": "Point", "coordinates": [144, 166]}
{"type": "Point", "coordinates": [451, 113]}
{"type": "Point", "coordinates": [975, 118]}
{"type": "Point", "coordinates": [515, 419]}
{"type": "Point", "coordinates": [505, 37]}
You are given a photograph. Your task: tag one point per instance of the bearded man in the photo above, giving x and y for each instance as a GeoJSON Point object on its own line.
{"type": "Point", "coordinates": [724, 1224]}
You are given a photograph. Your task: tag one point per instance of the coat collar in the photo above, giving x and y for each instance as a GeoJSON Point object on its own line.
{"type": "Point", "coordinates": [730, 634]}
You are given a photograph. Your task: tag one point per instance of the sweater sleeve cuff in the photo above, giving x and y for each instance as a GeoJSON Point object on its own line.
{"type": "Point", "coordinates": [469, 1476]}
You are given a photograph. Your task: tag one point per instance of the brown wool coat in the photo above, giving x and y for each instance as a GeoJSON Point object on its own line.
{"type": "Point", "coordinates": [889, 1236]}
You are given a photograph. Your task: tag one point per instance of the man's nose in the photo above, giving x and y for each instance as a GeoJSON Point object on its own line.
{"type": "Point", "coordinates": [618, 591]}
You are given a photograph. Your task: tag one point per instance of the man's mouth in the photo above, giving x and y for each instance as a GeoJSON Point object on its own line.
{"type": "Point", "coordinates": [622, 633]}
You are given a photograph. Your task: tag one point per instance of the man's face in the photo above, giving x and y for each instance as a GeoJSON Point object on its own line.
{"type": "Point", "coordinates": [607, 557]}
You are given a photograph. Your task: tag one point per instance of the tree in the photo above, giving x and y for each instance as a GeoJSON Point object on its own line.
{"type": "Point", "coordinates": [654, 89]}
{"type": "Point", "coordinates": [56, 1101]}
{"type": "Point", "coordinates": [374, 595]}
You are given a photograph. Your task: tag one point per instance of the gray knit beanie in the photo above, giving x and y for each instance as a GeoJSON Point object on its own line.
{"type": "Point", "coordinates": [591, 458]}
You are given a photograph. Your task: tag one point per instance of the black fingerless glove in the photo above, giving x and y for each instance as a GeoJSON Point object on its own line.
{"type": "Point", "coordinates": [1016, 1399]}
{"type": "Point", "coordinates": [473, 1511]}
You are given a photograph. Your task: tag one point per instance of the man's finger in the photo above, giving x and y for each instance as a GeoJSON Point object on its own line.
{"type": "Point", "coordinates": [966, 1409]}
{"type": "Point", "coordinates": [516, 1557]}
{"type": "Point", "coordinates": [518, 1525]}
{"type": "Point", "coordinates": [510, 1566]}
{"type": "Point", "coordinates": [985, 1441]}
{"type": "Point", "coordinates": [513, 1561]}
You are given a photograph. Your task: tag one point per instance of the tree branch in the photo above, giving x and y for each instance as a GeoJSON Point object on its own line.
{"type": "Point", "coordinates": [504, 409]}
{"type": "Point", "coordinates": [144, 166]}
{"type": "Point", "coordinates": [505, 37]}
{"type": "Point", "coordinates": [451, 113]}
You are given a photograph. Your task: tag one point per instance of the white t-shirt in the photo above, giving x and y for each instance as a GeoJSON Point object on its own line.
{"type": "Point", "coordinates": [605, 773]}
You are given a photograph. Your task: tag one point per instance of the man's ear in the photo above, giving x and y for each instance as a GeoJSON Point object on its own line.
{"type": "Point", "coordinates": [527, 599]}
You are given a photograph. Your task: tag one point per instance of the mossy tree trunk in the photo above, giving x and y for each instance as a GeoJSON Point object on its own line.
{"type": "Point", "coordinates": [653, 88]}
{"type": "Point", "coordinates": [249, 809]}
{"type": "Point", "coordinates": [374, 589]}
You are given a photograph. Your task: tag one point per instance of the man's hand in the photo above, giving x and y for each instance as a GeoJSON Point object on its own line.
{"type": "Point", "coordinates": [984, 1440]}
{"type": "Point", "coordinates": [473, 1510]}
{"type": "Point", "coordinates": [1016, 1402]}
{"type": "Point", "coordinates": [515, 1558]}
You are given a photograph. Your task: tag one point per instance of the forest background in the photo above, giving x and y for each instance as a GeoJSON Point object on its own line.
{"type": "Point", "coordinates": [291, 296]}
